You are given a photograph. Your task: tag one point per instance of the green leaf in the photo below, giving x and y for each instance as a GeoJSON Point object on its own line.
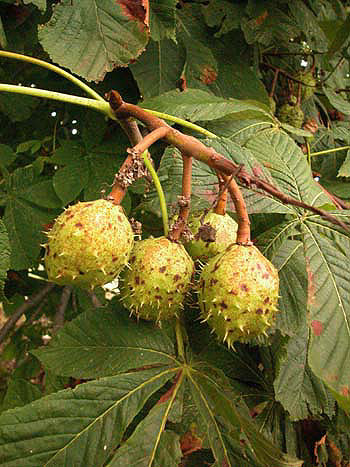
{"type": "Point", "coordinates": [5, 253]}
{"type": "Point", "coordinates": [7, 155]}
{"type": "Point", "coordinates": [3, 40]}
{"type": "Point", "coordinates": [205, 182]}
{"type": "Point", "coordinates": [267, 24]}
{"type": "Point", "coordinates": [223, 14]}
{"type": "Point", "coordinates": [90, 168]}
{"type": "Point", "coordinates": [24, 221]}
{"type": "Point", "coordinates": [327, 250]}
{"type": "Point", "coordinates": [41, 4]}
{"type": "Point", "coordinates": [238, 131]}
{"type": "Point", "coordinates": [300, 392]}
{"type": "Point", "coordinates": [288, 257]}
{"type": "Point", "coordinates": [344, 170]}
{"type": "Point", "coordinates": [20, 392]}
{"type": "Point", "coordinates": [149, 444]}
{"type": "Point", "coordinates": [195, 104]}
{"type": "Point", "coordinates": [228, 423]}
{"type": "Point", "coordinates": [338, 100]}
{"type": "Point", "coordinates": [159, 68]}
{"type": "Point", "coordinates": [68, 152]}
{"type": "Point", "coordinates": [29, 145]}
{"type": "Point", "coordinates": [308, 24]}
{"type": "Point", "coordinates": [338, 188]}
{"type": "Point", "coordinates": [342, 34]}
{"type": "Point", "coordinates": [42, 193]}
{"type": "Point", "coordinates": [16, 107]}
{"type": "Point", "coordinates": [104, 342]}
{"type": "Point", "coordinates": [70, 180]}
{"type": "Point", "coordinates": [201, 67]}
{"type": "Point", "coordinates": [81, 426]}
{"type": "Point", "coordinates": [162, 19]}
{"type": "Point", "coordinates": [288, 166]}
{"type": "Point", "coordinates": [110, 34]}
{"type": "Point", "coordinates": [236, 77]}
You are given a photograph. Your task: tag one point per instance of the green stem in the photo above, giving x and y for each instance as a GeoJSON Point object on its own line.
{"type": "Point", "coordinates": [308, 152]}
{"type": "Point", "coordinates": [56, 69]}
{"type": "Point", "coordinates": [100, 106]}
{"type": "Point", "coordinates": [328, 151]}
{"type": "Point", "coordinates": [182, 122]}
{"type": "Point", "coordinates": [160, 192]}
{"type": "Point", "coordinates": [179, 339]}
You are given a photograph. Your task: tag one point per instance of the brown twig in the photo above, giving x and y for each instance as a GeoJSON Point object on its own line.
{"type": "Point", "coordinates": [133, 167]}
{"type": "Point", "coordinates": [190, 145]}
{"type": "Point", "coordinates": [95, 300]}
{"type": "Point", "coordinates": [220, 205]}
{"type": "Point", "coordinates": [131, 129]}
{"type": "Point", "coordinates": [61, 309]}
{"type": "Point", "coordinates": [339, 203]}
{"type": "Point", "coordinates": [184, 201]}
{"type": "Point", "coordinates": [243, 232]}
{"type": "Point", "coordinates": [274, 82]}
{"type": "Point", "coordinates": [287, 75]}
{"type": "Point", "coordinates": [34, 300]}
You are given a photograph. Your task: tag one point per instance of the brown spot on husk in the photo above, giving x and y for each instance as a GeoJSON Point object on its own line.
{"type": "Point", "coordinates": [317, 327]}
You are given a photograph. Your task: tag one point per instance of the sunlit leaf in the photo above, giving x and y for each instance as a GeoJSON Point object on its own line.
{"type": "Point", "coordinates": [104, 342]}
{"type": "Point", "coordinates": [110, 34]}
{"type": "Point", "coordinates": [83, 425]}
{"type": "Point", "coordinates": [327, 254]}
{"type": "Point", "coordinates": [149, 444]}
{"type": "Point", "coordinates": [220, 412]}
{"type": "Point", "coordinates": [288, 165]}
{"type": "Point", "coordinates": [300, 392]}
{"type": "Point", "coordinates": [195, 104]}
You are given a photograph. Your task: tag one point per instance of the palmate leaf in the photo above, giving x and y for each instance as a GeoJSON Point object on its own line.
{"type": "Point", "coordinates": [205, 182]}
{"type": "Point", "coordinates": [327, 255]}
{"type": "Point", "coordinates": [196, 104]}
{"type": "Point", "coordinates": [150, 444]}
{"type": "Point", "coordinates": [300, 392]}
{"type": "Point", "coordinates": [233, 437]}
{"type": "Point", "coordinates": [92, 37]}
{"type": "Point", "coordinates": [344, 170]}
{"type": "Point", "coordinates": [105, 341]}
{"type": "Point", "coordinates": [79, 427]}
{"type": "Point", "coordinates": [159, 67]}
{"type": "Point", "coordinates": [85, 167]}
{"type": "Point", "coordinates": [20, 392]}
{"type": "Point", "coordinates": [162, 19]}
{"type": "Point", "coordinates": [25, 214]}
{"type": "Point", "coordinates": [287, 164]}
{"type": "Point", "coordinates": [288, 257]}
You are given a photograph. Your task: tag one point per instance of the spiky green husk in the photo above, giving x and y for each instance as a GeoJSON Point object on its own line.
{"type": "Point", "coordinates": [291, 114]}
{"type": "Point", "coordinates": [226, 233]}
{"type": "Point", "coordinates": [89, 244]}
{"type": "Point", "coordinates": [307, 78]}
{"type": "Point", "coordinates": [238, 294]}
{"type": "Point", "coordinates": [159, 276]}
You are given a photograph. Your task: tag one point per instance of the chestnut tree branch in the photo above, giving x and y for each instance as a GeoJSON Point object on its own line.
{"type": "Point", "coordinates": [191, 146]}
{"type": "Point", "coordinates": [220, 205]}
{"type": "Point", "coordinates": [32, 301]}
{"type": "Point", "coordinates": [184, 200]}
